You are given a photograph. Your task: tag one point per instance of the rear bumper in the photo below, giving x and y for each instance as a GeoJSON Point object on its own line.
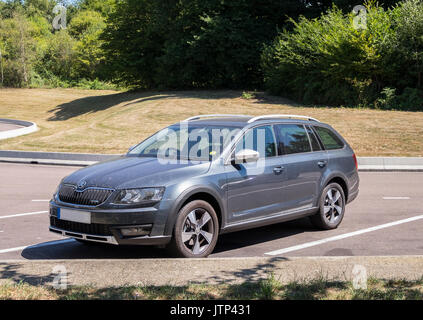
{"type": "Point", "coordinates": [353, 196]}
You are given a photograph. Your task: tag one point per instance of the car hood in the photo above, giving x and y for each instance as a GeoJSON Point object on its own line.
{"type": "Point", "coordinates": [135, 172]}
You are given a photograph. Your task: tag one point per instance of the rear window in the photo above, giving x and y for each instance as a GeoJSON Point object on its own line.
{"type": "Point", "coordinates": [293, 139]}
{"type": "Point", "coordinates": [329, 139]}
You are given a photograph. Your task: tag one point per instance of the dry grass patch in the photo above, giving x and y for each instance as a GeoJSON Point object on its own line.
{"type": "Point", "coordinates": [109, 121]}
{"type": "Point", "coordinates": [268, 289]}
{"type": "Point", "coordinates": [23, 291]}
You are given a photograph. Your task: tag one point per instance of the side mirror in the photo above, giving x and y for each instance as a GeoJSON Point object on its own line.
{"type": "Point", "coordinates": [246, 155]}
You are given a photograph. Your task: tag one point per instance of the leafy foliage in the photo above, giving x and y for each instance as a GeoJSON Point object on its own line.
{"type": "Point", "coordinates": [34, 54]}
{"type": "Point", "coordinates": [329, 61]}
{"type": "Point", "coordinates": [195, 43]}
{"type": "Point", "coordinates": [307, 50]}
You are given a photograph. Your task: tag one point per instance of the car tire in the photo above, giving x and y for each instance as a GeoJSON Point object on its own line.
{"type": "Point", "coordinates": [331, 208]}
{"type": "Point", "coordinates": [196, 231]}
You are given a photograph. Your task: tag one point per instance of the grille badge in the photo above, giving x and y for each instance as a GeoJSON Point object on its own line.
{"type": "Point", "coordinates": [81, 185]}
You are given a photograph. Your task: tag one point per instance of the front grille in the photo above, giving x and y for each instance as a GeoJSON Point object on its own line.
{"type": "Point", "coordinates": [93, 228]}
{"type": "Point", "coordinates": [87, 197]}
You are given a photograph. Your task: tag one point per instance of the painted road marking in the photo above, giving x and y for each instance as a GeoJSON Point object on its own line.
{"type": "Point", "coordinates": [396, 198]}
{"type": "Point", "coordinates": [342, 236]}
{"type": "Point", "coordinates": [12, 249]}
{"type": "Point", "coordinates": [40, 245]}
{"type": "Point", "coordinates": [40, 200]}
{"type": "Point", "coordinates": [23, 214]}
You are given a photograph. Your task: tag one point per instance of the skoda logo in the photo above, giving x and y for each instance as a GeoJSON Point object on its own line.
{"type": "Point", "coordinates": [81, 185]}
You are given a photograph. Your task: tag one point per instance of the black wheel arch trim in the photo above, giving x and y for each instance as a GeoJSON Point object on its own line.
{"type": "Point", "coordinates": [183, 197]}
{"type": "Point", "coordinates": [330, 177]}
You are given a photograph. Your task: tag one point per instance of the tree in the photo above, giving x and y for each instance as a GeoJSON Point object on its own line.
{"type": "Point", "coordinates": [86, 28]}
{"type": "Point", "coordinates": [329, 61]}
{"type": "Point", "coordinates": [104, 7]}
{"type": "Point", "coordinates": [408, 44]}
{"type": "Point", "coordinates": [133, 39]}
{"type": "Point", "coordinates": [58, 60]}
{"type": "Point", "coordinates": [193, 43]}
{"type": "Point", "coordinates": [18, 49]}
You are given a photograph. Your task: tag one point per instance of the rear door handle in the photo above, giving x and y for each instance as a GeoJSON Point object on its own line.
{"type": "Point", "coordinates": [278, 169]}
{"type": "Point", "coordinates": [322, 163]}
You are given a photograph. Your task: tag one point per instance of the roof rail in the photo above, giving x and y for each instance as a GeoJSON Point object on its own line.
{"type": "Point", "coordinates": [216, 115]}
{"type": "Point", "coordinates": [278, 116]}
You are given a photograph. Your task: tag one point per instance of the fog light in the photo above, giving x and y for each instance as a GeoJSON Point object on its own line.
{"type": "Point", "coordinates": [133, 231]}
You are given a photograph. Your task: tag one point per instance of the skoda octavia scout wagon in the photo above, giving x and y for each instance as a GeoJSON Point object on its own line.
{"type": "Point", "coordinates": [210, 175]}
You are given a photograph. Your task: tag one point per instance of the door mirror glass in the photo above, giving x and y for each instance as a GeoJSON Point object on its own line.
{"type": "Point", "coordinates": [246, 155]}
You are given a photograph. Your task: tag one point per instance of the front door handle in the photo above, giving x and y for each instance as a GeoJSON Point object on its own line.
{"type": "Point", "coordinates": [322, 163]}
{"type": "Point", "coordinates": [278, 169]}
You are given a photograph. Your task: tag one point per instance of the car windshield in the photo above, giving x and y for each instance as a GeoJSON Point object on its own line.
{"type": "Point", "coordinates": [187, 142]}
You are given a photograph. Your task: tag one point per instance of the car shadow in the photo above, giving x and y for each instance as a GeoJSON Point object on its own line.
{"type": "Point", "coordinates": [247, 238]}
{"type": "Point", "coordinates": [69, 250]}
{"type": "Point", "coordinates": [232, 244]}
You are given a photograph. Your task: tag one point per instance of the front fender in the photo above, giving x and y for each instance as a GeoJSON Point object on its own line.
{"type": "Point", "coordinates": [184, 196]}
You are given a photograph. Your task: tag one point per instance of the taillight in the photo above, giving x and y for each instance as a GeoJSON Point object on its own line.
{"type": "Point", "coordinates": [355, 161]}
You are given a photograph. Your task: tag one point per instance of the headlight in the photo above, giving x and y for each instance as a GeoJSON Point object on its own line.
{"type": "Point", "coordinates": [136, 196]}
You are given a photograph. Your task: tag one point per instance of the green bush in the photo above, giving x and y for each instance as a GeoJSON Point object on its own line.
{"type": "Point", "coordinates": [329, 61]}
{"type": "Point", "coordinates": [387, 99]}
{"type": "Point", "coordinates": [410, 99]}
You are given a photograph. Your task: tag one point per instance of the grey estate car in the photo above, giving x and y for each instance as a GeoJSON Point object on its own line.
{"type": "Point", "coordinates": [206, 176]}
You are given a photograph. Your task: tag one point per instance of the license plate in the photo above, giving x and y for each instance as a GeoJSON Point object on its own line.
{"type": "Point", "coordinates": [74, 215]}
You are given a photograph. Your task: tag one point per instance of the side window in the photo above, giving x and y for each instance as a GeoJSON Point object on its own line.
{"type": "Point", "coordinates": [293, 139]}
{"type": "Point", "coordinates": [329, 139]}
{"type": "Point", "coordinates": [260, 139]}
{"type": "Point", "coordinates": [314, 142]}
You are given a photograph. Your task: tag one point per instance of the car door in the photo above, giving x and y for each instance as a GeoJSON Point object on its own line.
{"type": "Point", "coordinates": [304, 163]}
{"type": "Point", "coordinates": [254, 189]}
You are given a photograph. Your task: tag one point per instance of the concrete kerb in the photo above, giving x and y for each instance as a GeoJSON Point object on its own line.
{"type": "Point", "coordinates": [27, 127]}
{"type": "Point", "coordinates": [54, 158]}
{"type": "Point", "coordinates": [391, 163]}
{"type": "Point", "coordinates": [85, 159]}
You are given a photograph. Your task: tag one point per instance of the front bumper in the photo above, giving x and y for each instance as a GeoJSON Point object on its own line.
{"type": "Point", "coordinates": [106, 224]}
{"type": "Point", "coordinates": [115, 239]}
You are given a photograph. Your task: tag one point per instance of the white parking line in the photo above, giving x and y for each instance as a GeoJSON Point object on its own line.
{"type": "Point", "coordinates": [342, 236]}
{"type": "Point", "coordinates": [396, 198]}
{"type": "Point", "coordinates": [23, 214]}
{"type": "Point", "coordinates": [40, 245]}
{"type": "Point", "coordinates": [12, 249]}
{"type": "Point", "coordinates": [37, 200]}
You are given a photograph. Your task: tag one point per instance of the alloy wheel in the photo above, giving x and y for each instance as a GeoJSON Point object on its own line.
{"type": "Point", "coordinates": [197, 233]}
{"type": "Point", "coordinates": [333, 206]}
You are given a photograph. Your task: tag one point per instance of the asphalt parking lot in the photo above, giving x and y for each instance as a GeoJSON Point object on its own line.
{"type": "Point", "coordinates": [386, 219]}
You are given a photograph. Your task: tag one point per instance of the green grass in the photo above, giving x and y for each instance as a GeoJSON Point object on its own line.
{"type": "Point", "coordinates": [267, 289]}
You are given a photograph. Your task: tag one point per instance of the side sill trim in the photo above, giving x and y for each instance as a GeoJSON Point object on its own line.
{"type": "Point", "coordinates": [285, 216]}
